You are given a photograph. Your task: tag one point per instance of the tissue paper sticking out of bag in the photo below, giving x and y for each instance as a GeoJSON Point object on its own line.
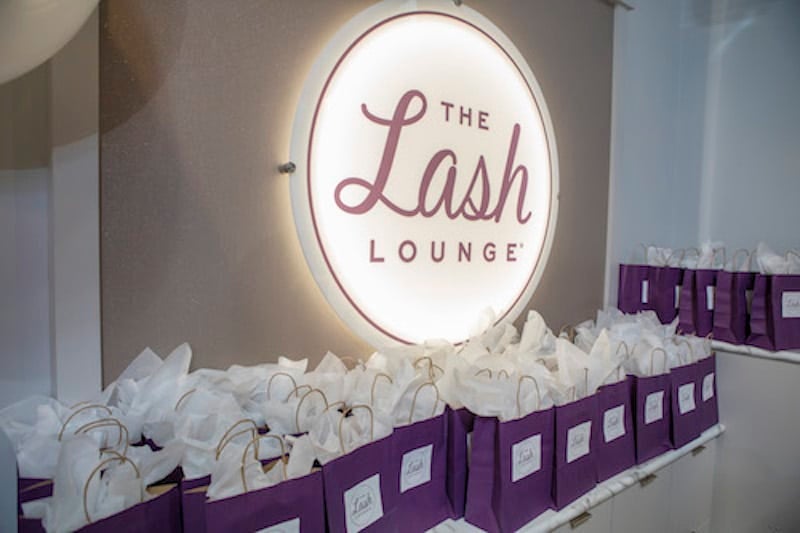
{"type": "Point", "coordinates": [663, 256]}
{"type": "Point", "coordinates": [121, 485]}
{"type": "Point", "coordinates": [770, 262]}
{"type": "Point", "coordinates": [359, 425]}
{"type": "Point", "coordinates": [537, 339]}
{"type": "Point", "coordinates": [32, 425]}
{"type": "Point", "coordinates": [419, 400]}
{"type": "Point", "coordinates": [239, 468]}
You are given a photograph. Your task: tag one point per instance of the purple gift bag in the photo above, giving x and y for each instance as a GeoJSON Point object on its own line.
{"type": "Point", "coordinates": [786, 311]}
{"type": "Point", "coordinates": [28, 490]}
{"type": "Point", "coordinates": [460, 423]}
{"type": "Point", "coordinates": [161, 513]}
{"type": "Point", "coordinates": [775, 313]}
{"type": "Point", "coordinates": [616, 449]}
{"type": "Point", "coordinates": [634, 288]}
{"type": "Point", "coordinates": [730, 306]}
{"type": "Point", "coordinates": [576, 441]}
{"type": "Point", "coordinates": [511, 471]}
{"type": "Point", "coordinates": [419, 455]}
{"type": "Point", "coordinates": [361, 489]}
{"type": "Point", "coordinates": [29, 525]}
{"type": "Point", "coordinates": [696, 306]}
{"type": "Point", "coordinates": [193, 501]}
{"type": "Point", "coordinates": [686, 418]}
{"type": "Point", "coordinates": [761, 320]}
{"type": "Point", "coordinates": [664, 286]}
{"type": "Point", "coordinates": [709, 408]}
{"type": "Point", "coordinates": [652, 418]}
{"type": "Point", "coordinates": [292, 505]}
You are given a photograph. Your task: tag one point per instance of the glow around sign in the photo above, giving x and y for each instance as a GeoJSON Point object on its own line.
{"type": "Point", "coordinates": [426, 189]}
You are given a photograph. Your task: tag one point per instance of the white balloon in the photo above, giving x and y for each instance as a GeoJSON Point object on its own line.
{"type": "Point", "coordinates": [32, 31]}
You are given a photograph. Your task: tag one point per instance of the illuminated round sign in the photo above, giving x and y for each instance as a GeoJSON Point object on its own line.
{"type": "Point", "coordinates": [426, 185]}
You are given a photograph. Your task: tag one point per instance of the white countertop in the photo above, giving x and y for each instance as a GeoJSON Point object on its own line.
{"type": "Point", "coordinates": [752, 351]}
{"type": "Point", "coordinates": [550, 520]}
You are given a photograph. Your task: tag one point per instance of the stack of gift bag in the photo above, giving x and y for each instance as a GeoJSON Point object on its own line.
{"type": "Point", "coordinates": [748, 298]}
{"type": "Point", "coordinates": [497, 431]}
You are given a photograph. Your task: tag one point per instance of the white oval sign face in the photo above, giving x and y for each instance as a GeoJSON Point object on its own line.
{"type": "Point", "coordinates": [426, 188]}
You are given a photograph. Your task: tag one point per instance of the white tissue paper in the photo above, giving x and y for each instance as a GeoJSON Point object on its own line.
{"type": "Point", "coordinates": [420, 400]}
{"type": "Point", "coordinates": [203, 421]}
{"type": "Point", "coordinates": [660, 257]}
{"type": "Point", "coordinates": [236, 459]}
{"type": "Point", "coordinates": [116, 490]}
{"type": "Point", "coordinates": [770, 262]}
{"type": "Point", "coordinates": [578, 375]}
{"type": "Point", "coordinates": [152, 399]}
{"type": "Point", "coordinates": [741, 261]}
{"type": "Point", "coordinates": [536, 336]}
{"type": "Point", "coordinates": [608, 359]}
{"type": "Point", "coordinates": [712, 255]}
{"type": "Point", "coordinates": [32, 425]}
{"type": "Point", "coordinates": [358, 427]}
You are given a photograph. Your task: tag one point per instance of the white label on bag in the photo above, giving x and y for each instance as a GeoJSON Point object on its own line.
{"type": "Point", "coordinates": [711, 292]}
{"type": "Point", "coordinates": [654, 407]}
{"type": "Point", "coordinates": [290, 526]}
{"type": "Point", "coordinates": [790, 307]}
{"type": "Point", "coordinates": [415, 470]}
{"type": "Point", "coordinates": [645, 291]}
{"type": "Point", "coordinates": [686, 398]}
{"type": "Point", "coordinates": [677, 296]}
{"type": "Point", "coordinates": [708, 387]}
{"type": "Point", "coordinates": [578, 441]}
{"type": "Point", "coordinates": [614, 423]}
{"type": "Point", "coordinates": [469, 448]}
{"type": "Point", "coordinates": [362, 504]}
{"type": "Point", "coordinates": [526, 457]}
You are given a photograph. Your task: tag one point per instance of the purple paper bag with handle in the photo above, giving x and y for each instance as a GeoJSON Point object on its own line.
{"type": "Point", "coordinates": [511, 472]}
{"type": "Point", "coordinates": [160, 514]}
{"type": "Point", "coordinates": [361, 489]}
{"type": "Point", "coordinates": [616, 450]}
{"type": "Point", "coordinates": [696, 306]}
{"type": "Point", "coordinates": [460, 423]}
{"type": "Point", "coordinates": [761, 320]}
{"type": "Point", "coordinates": [704, 291]}
{"type": "Point", "coordinates": [419, 455]}
{"type": "Point", "coordinates": [730, 306]}
{"type": "Point", "coordinates": [193, 501]}
{"type": "Point", "coordinates": [575, 471]}
{"type": "Point", "coordinates": [634, 288]}
{"type": "Point", "coordinates": [28, 490]}
{"type": "Point", "coordinates": [295, 505]}
{"type": "Point", "coordinates": [652, 417]}
{"type": "Point", "coordinates": [29, 525]}
{"type": "Point", "coordinates": [686, 304]}
{"type": "Point", "coordinates": [664, 286]}
{"type": "Point", "coordinates": [686, 419]}
{"type": "Point", "coordinates": [786, 311]}
{"type": "Point", "coordinates": [709, 408]}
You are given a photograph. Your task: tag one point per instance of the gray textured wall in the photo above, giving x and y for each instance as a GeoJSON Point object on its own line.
{"type": "Point", "coordinates": [197, 103]}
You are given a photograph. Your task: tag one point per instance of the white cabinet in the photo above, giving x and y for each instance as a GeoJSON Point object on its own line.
{"type": "Point", "coordinates": [643, 506]}
{"type": "Point", "coordinates": [693, 490]}
{"type": "Point", "coordinates": [597, 521]}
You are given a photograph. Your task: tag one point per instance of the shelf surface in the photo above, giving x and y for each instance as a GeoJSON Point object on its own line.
{"type": "Point", "coordinates": [752, 351]}
{"type": "Point", "coordinates": [550, 520]}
